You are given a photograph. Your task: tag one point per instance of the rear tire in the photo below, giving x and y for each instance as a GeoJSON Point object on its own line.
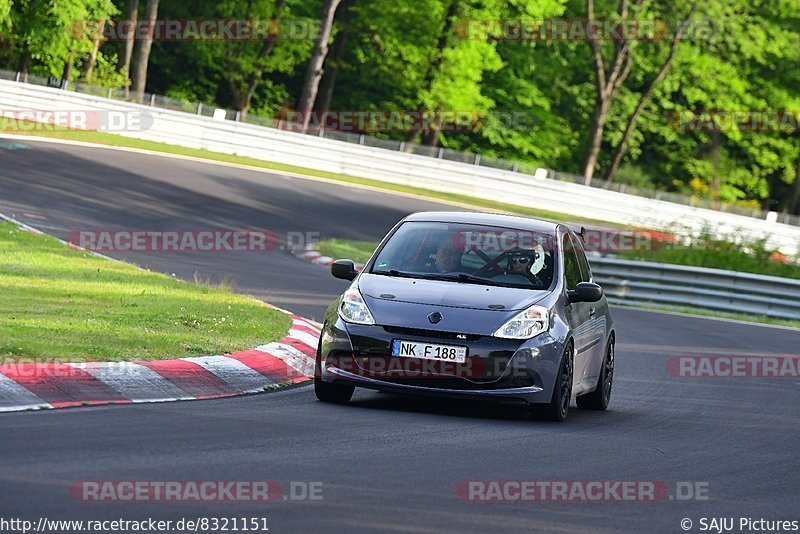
{"type": "Point", "coordinates": [329, 391]}
{"type": "Point", "coordinates": [601, 396]}
{"type": "Point", "coordinates": [558, 407]}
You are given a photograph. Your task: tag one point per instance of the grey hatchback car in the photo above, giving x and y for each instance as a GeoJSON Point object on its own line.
{"type": "Point", "coordinates": [471, 305]}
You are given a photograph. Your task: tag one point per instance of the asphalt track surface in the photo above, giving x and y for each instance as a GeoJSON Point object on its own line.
{"type": "Point", "coordinates": [387, 463]}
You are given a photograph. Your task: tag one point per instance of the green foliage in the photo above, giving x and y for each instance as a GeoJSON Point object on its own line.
{"type": "Point", "coordinates": [5, 14]}
{"type": "Point", "coordinates": [337, 248]}
{"type": "Point", "coordinates": [54, 32]}
{"type": "Point", "coordinates": [106, 73]}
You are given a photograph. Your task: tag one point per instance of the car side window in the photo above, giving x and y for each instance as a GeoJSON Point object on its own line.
{"type": "Point", "coordinates": [586, 272]}
{"type": "Point", "coordinates": [572, 270]}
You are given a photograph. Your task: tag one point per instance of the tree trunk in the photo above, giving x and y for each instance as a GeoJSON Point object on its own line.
{"type": "Point", "coordinates": [314, 71]}
{"type": "Point", "coordinates": [143, 52]}
{"type": "Point", "coordinates": [794, 203]}
{"type": "Point", "coordinates": [67, 72]}
{"type": "Point", "coordinates": [330, 69]}
{"type": "Point", "coordinates": [127, 52]}
{"type": "Point", "coordinates": [25, 62]}
{"type": "Point", "coordinates": [431, 137]}
{"type": "Point", "coordinates": [716, 180]}
{"type": "Point", "coordinates": [243, 99]}
{"type": "Point", "coordinates": [596, 127]}
{"type": "Point", "coordinates": [87, 75]}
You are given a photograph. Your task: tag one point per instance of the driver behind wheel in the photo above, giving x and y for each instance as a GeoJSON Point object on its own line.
{"type": "Point", "coordinates": [521, 262]}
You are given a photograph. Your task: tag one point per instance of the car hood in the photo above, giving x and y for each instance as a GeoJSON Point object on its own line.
{"type": "Point", "coordinates": [447, 294]}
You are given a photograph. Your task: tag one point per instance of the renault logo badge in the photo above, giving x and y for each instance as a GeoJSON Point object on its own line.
{"type": "Point", "coordinates": [435, 317]}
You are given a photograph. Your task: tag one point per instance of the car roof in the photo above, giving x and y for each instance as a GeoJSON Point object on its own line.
{"type": "Point", "coordinates": [488, 219]}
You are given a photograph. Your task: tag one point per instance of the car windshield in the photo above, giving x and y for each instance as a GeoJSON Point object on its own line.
{"type": "Point", "coordinates": [469, 254]}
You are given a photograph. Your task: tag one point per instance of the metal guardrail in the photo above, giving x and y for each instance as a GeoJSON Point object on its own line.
{"type": "Point", "coordinates": [642, 283]}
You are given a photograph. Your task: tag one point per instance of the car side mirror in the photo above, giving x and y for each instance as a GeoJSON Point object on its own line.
{"type": "Point", "coordinates": [585, 292]}
{"type": "Point", "coordinates": [344, 269]}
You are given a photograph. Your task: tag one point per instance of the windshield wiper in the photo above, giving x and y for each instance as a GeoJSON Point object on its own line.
{"type": "Point", "coordinates": [463, 277]}
{"type": "Point", "coordinates": [399, 274]}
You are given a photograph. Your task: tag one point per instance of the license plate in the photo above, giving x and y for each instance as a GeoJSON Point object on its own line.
{"type": "Point", "coordinates": [429, 351]}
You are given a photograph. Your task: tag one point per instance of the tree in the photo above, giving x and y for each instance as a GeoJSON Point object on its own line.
{"type": "Point", "coordinates": [52, 36]}
{"type": "Point", "coordinates": [610, 78]}
{"type": "Point", "coordinates": [454, 69]}
{"type": "Point", "coordinates": [248, 67]}
{"type": "Point", "coordinates": [308, 95]}
{"type": "Point", "coordinates": [524, 123]}
{"type": "Point", "coordinates": [644, 99]}
{"type": "Point", "coordinates": [131, 19]}
{"type": "Point", "coordinates": [143, 51]}
{"type": "Point", "coordinates": [335, 57]}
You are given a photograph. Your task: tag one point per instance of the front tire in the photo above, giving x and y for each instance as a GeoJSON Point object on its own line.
{"type": "Point", "coordinates": [329, 391]}
{"type": "Point", "coordinates": [332, 392]}
{"type": "Point", "coordinates": [558, 407]}
{"type": "Point", "coordinates": [601, 396]}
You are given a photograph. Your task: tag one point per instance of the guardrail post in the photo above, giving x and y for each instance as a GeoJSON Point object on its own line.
{"type": "Point", "coordinates": [361, 138]}
{"type": "Point", "coordinates": [515, 167]}
{"type": "Point", "coordinates": [402, 146]}
{"type": "Point", "coordinates": [200, 108]}
{"type": "Point", "coordinates": [152, 100]}
{"type": "Point", "coordinates": [16, 79]}
{"type": "Point", "coordinates": [441, 153]}
{"type": "Point", "coordinates": [477, 159]}
{"type": "Point", "coordinates": [108, 94]}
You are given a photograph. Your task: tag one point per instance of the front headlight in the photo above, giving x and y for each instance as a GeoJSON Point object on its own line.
{"type": "Point", "coordinates": [526, 324]}
{"type": "Point", "coordinates": [354, 309]}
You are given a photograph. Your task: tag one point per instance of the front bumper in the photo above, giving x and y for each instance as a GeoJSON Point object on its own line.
{"type": "Point", "coordinates": [496, 369]}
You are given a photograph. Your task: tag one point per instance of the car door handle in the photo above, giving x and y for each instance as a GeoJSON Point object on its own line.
{"type": "Point", "coordinates": [592, 312]}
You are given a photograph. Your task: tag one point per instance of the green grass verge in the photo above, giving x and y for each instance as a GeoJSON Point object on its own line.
{"type": "Point", "coordinates": [62, 304]}
{"type": "Point", "coordinates": [120, 141]}
{"type": "Point", "coordinates": [729, 259]}
{"type": "Point", "coordinates": [360, 251]}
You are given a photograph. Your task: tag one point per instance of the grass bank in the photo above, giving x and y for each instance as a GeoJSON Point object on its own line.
{"type": "Point", "coordinates": [62, 304]}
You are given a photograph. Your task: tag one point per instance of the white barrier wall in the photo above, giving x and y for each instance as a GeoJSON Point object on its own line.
{"type": "Point", "coordinates": [189, 130]}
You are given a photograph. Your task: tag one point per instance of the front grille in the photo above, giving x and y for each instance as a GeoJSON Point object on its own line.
{"type": "Point", "coordinates": [436, 334]}
{"type": "Point", "coordinates": [459, 383]}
